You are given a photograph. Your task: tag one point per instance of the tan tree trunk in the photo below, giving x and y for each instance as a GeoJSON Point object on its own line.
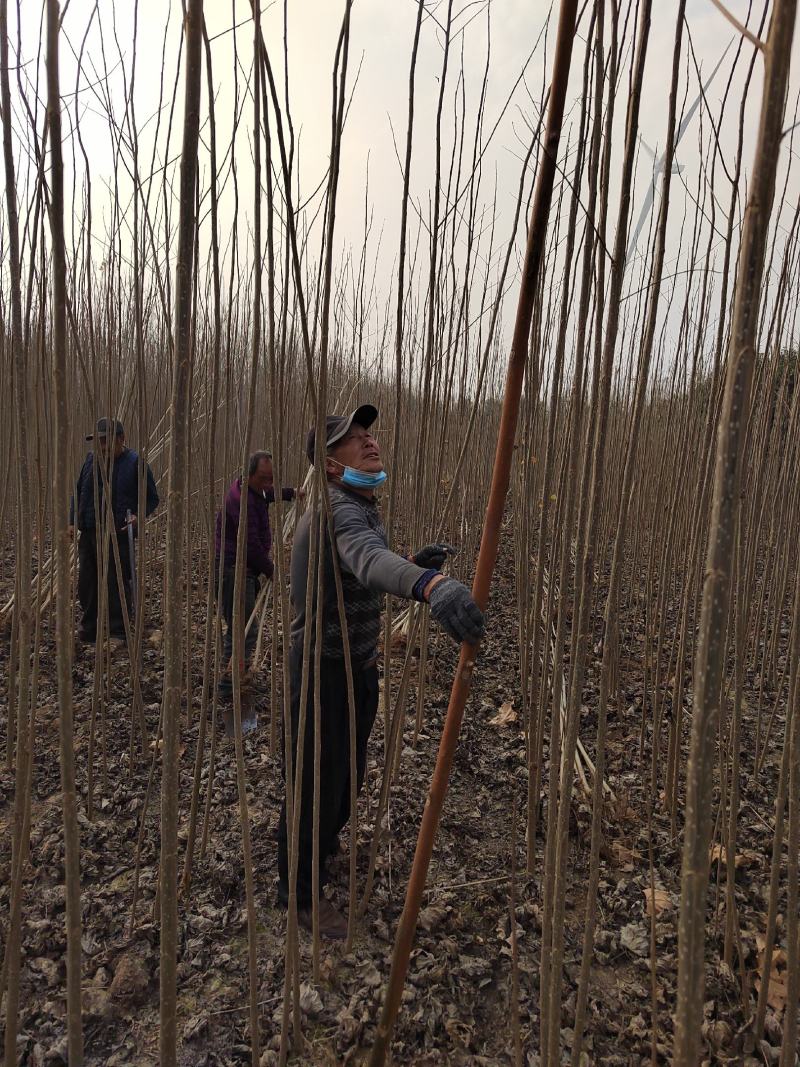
{"type": "Point", "coordinates": [724, 512]}
{"type": "Point", "coordinates": [176, 522]}
{"type": "Point", "coordinates": [64, 638]}
{"type": "Point", "coordinates": [19, 729]}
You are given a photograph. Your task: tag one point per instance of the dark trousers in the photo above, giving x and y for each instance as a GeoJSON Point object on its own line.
{"type": "Point", "coordinates": [334, 806]}
{"type": "Point", "coordinates": [250, 591]}
{"type": "Point", "coordinates": [87, 582]}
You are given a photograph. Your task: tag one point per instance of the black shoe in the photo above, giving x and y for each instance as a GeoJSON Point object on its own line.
{"type": "Point", "coordinates": [87, 636]}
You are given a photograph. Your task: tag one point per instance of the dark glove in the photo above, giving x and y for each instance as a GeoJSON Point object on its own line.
{"type": "Point", "coordinates": [433, 555]}
{"type": "Point", "coordinates": [456, 612]}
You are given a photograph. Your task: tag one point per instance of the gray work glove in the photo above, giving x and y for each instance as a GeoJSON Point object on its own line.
{"type": "Point", "coordinates": [456, 612]}
{"type": "Point", "coordinates": [433, 555]}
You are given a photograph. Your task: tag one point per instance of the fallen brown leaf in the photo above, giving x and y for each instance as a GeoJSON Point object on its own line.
{"type": "Point", "coordinates": [131, 979]}
{"type": "Point", "coordinates": [432, 916]}
{"type": "Point", "coordinates": [778, 992]}
{"type": "Point", "coordinates": [623, 855]}
{"type": "Point", "coordinates": [660, 900]}
{"type": "Point", "coordinates": [504, 716]}
{"type": "Point", "coordinates": [741, 859]}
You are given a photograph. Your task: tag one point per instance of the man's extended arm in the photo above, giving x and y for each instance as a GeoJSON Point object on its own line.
{"type": "Point", "coordinates": [363, 552]}
{"type": "Point", "coordinates": [287, 493]}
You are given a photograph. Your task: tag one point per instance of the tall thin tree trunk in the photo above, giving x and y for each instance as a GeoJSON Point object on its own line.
{"type": "Point", "coordinates": [724, 512]}
{"type": "Point", "coordinates": [64, 637]}
{"type": "Point", "coordinates": [19, 729]}
{"type": "Point", "coordinates": [176, 521]}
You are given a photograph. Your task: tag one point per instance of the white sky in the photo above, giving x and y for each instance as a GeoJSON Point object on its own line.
{"type": "Point", "coordinates": [382, 32]}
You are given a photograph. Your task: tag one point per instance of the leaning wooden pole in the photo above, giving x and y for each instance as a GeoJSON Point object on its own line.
{"type": "Point", "coordinates": [176, 526]}
{"type": "Point", "coordinates": [491, 530]}
{"type": "Point", "coordinates": [709, 660]}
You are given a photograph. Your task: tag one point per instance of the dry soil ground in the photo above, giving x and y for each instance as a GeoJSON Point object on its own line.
{"type": "Point", "coordinates": [456, 1008]}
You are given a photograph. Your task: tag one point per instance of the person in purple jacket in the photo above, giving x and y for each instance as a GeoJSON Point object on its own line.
{"type": "Point", "coordinates": [258, 557]}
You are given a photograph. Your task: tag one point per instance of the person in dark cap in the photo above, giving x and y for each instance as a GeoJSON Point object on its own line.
{"type": "Point", "coordinates": [122, 468]}
{"type": "Point", "coordinates": [369, 570]}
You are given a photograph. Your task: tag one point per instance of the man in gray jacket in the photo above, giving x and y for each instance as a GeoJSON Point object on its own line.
{"type": "Point", "coordinates": [368, 570]}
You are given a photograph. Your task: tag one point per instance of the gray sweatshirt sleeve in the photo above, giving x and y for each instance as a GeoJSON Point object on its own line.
{"type": "Point", "coordinates": [363, 552]}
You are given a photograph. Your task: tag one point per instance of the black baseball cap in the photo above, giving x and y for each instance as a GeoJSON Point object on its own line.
{"type": "Point", "coordinates": [103, 426]}
{"type": "Point", "coordinates": [336, 426]}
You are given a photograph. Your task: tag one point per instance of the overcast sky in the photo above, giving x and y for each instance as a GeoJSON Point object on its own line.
{"type": "Point", "coordinates": [382, 32]}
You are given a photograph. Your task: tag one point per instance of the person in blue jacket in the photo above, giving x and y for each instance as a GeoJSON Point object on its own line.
{"type": "Point", "coordinates": [122, 466]}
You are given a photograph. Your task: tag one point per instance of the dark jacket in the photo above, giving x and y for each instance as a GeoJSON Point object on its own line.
{"type": "Point", "coordinates": [124, 484]}
{"type": "Point", "coordinates": [259, 532]}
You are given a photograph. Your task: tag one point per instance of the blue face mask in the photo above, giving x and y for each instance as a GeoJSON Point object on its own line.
{"type": "Point", "coordinates": [361, 480]}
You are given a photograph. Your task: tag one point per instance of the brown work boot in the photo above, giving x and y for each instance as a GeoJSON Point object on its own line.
{"type": "Point", "coordinates": [332, 924]}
